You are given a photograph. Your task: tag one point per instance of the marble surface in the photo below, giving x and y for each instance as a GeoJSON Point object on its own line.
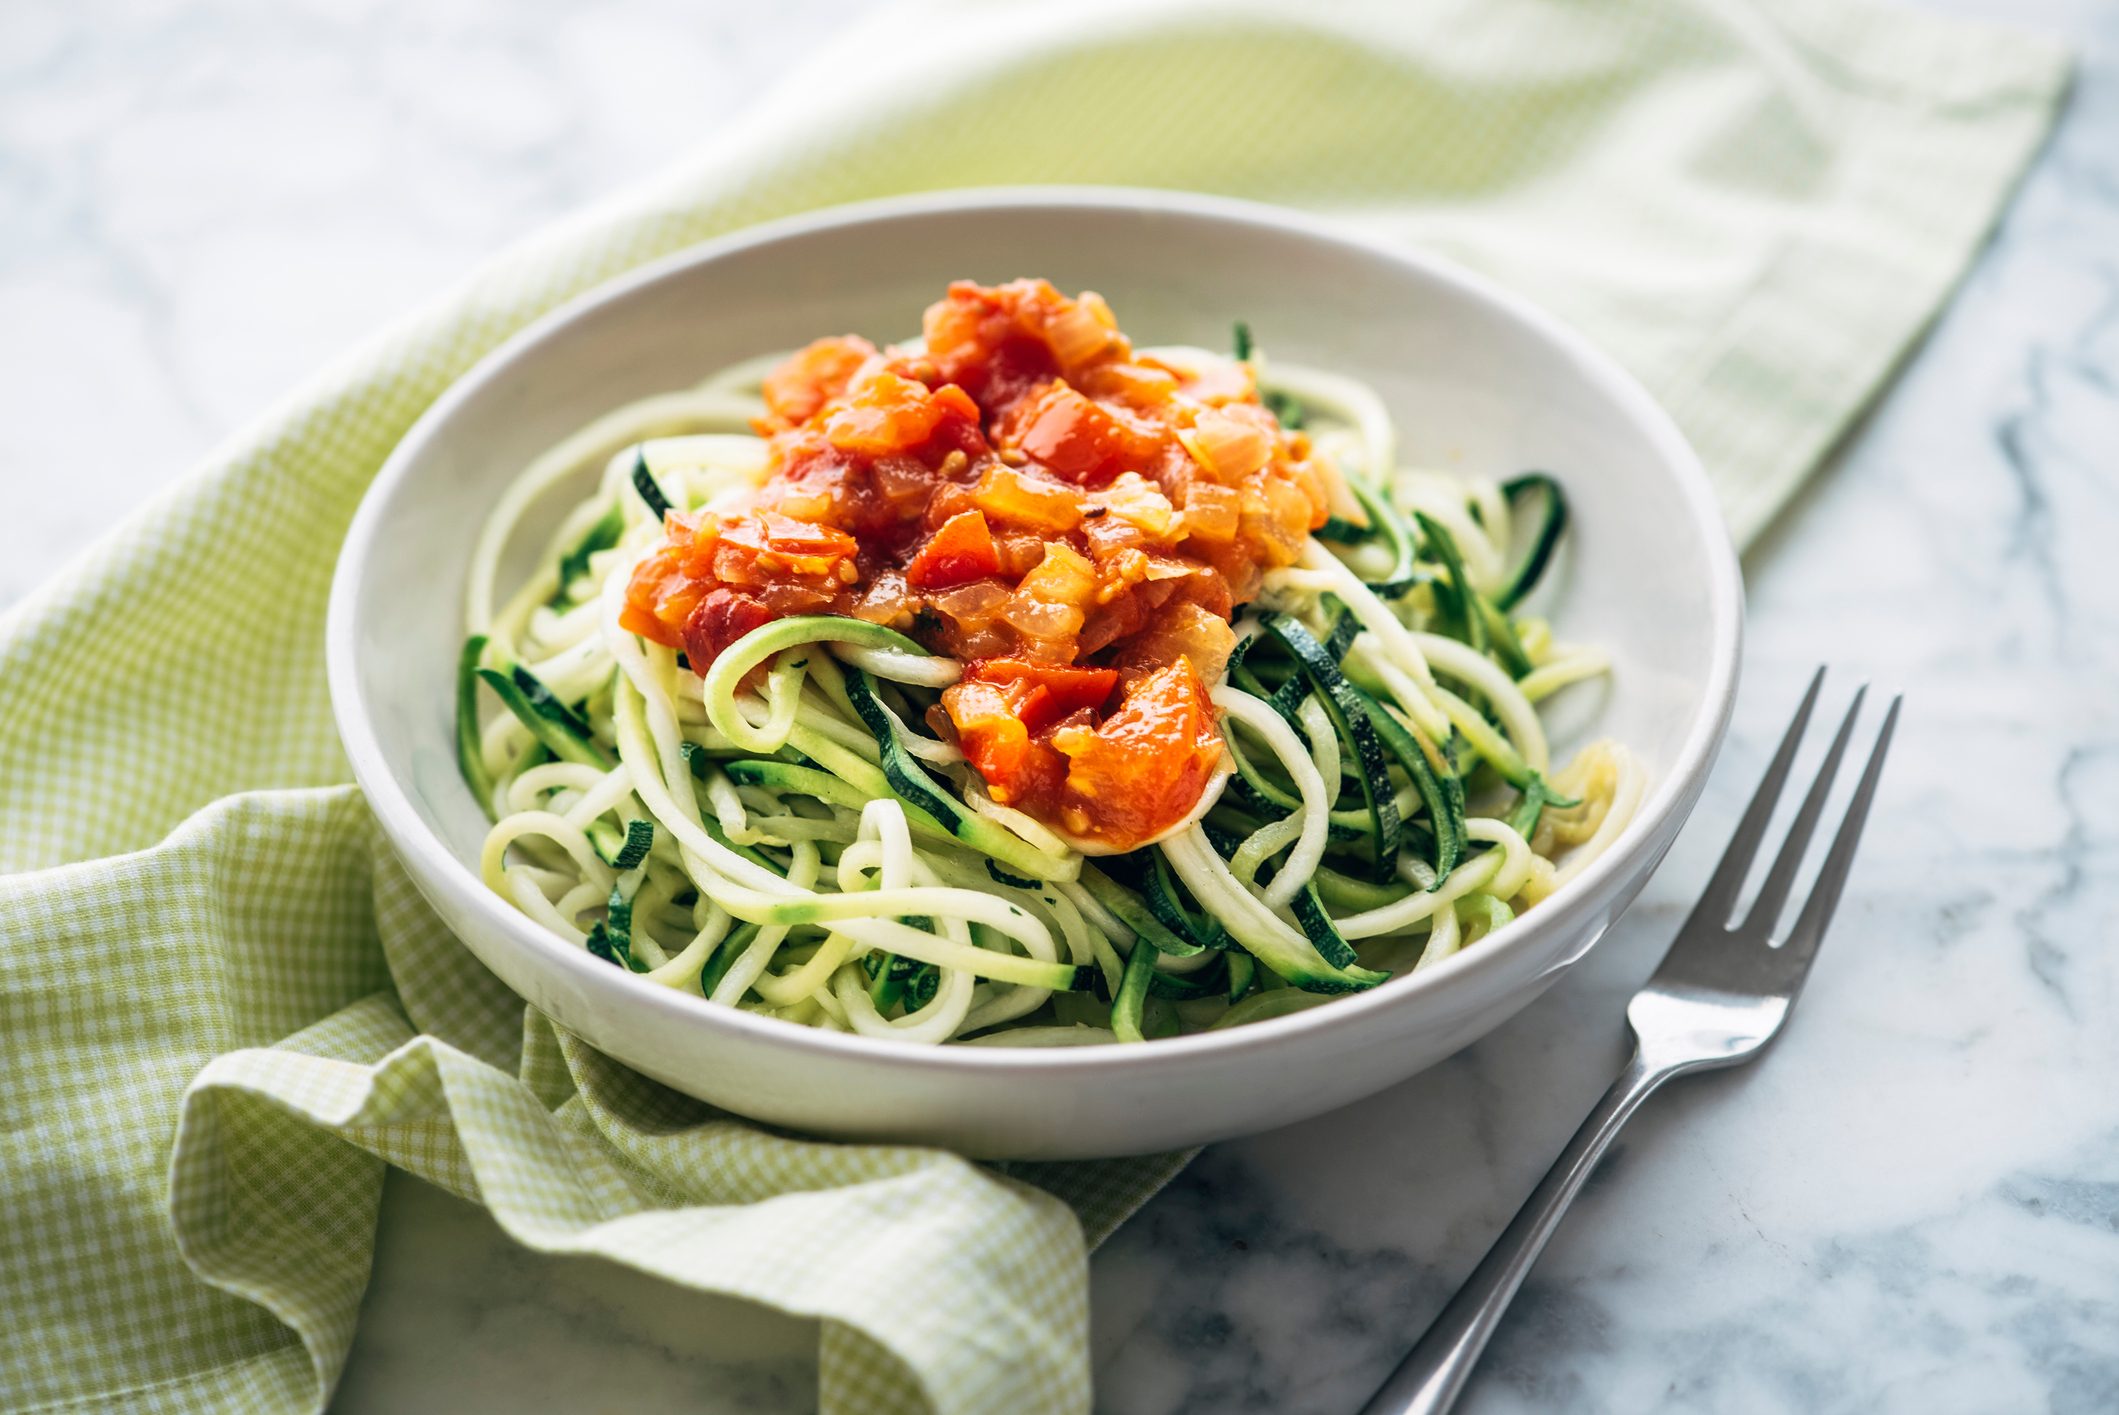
{"type": "Point", "coordinates": [1911, 1205]}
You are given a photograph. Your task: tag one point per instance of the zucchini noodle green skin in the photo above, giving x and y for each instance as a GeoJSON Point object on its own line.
{"type": "Point", "coordinates": [783, 836]}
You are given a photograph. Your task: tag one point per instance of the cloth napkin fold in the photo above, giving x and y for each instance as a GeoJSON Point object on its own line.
{"type": "Point", "coordinates": [224, 1010]}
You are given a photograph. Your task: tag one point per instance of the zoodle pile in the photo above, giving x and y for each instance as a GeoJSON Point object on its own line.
{"type": "Point", "coordinates": [1016, 686]}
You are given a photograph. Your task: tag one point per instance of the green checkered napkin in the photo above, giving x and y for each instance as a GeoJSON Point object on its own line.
{"type": "Point", "coordinates": [224, 1010]}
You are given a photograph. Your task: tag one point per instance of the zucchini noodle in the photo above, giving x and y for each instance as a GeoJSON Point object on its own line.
{"type": "Point", "coordinates": [785, 835]}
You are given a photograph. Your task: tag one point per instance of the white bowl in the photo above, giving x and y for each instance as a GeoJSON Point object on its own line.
{"type": "Point", "coordinates": [1476, 378]}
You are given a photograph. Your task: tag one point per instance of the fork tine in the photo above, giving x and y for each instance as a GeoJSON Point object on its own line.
{"type": "Point", "coordinates": [1824, 897]}
{"type": "Point", "coordinates": [1773, 894]}
{"type": "Point", "coordinates": [1719, 900]}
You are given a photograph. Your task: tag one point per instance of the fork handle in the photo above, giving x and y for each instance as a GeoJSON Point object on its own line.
{"type": "Point", "coordinates": [1431, 1377]}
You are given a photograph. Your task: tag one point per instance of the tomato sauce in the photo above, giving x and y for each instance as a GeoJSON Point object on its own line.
{"type": "Point", "coordinates": [1073, 519]}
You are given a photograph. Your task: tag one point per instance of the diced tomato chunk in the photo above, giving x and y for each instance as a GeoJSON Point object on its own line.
{"type": "Point", "coordinates": [1144, 767]}
{"type": "Point", "coordinates": [1065, 690]}
{"type": "Point", "coordinates": [718, 620]}
{"type": "Point", "coordinates": [1081, 439]}
{"type": "Point", "coordinates": [659, 599]}
{"type": "Point", "coordinates": [955, 400]}
{"type": "Point", "coordinates": [885, 412]}
{"type": "Point", "coordinates": [811, 378]}
{"type": "Point", "coordinates": [995, 739]}
{"type": "Point", "coordinates": [960, 552]}
{"type": "Point", "coordinates": [806, 547]}
{"type": "Point", "coordinates": [789, 536]}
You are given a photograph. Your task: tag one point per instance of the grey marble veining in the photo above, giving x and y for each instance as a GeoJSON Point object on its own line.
{"type": "Point", "coordinates": [1912, 1204]}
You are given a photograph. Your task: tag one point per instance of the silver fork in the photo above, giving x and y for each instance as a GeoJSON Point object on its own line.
{"type": "Point", "coordinates": [1721, 994]}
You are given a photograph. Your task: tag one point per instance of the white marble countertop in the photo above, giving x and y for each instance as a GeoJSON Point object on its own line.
{"type": "Point", "coordinates": [1911, 1205]}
